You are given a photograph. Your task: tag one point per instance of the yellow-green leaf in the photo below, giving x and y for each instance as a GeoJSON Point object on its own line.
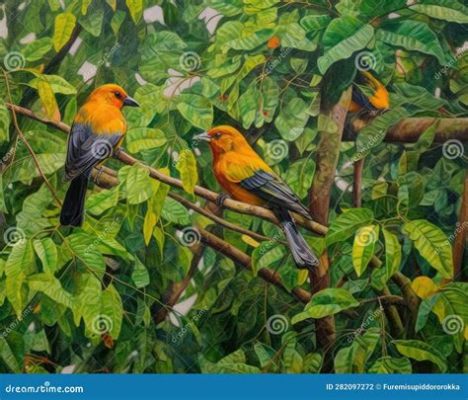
{"type": "Point", "coordinates": [64, 25]}
{"type": "Point", "coordinates": [364, 247]}
{"type": "Point", "coordinates": [136, 9]}
{"type": "Point", "coordinates": [187, 166]}
{"type": "Point", "coordinates": [47, 96]}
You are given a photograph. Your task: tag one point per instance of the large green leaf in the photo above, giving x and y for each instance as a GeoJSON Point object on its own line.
{"type": "Point", "coordinates": [345, 224]}
{"type": "Point", "coordinates": [447, 10]}
{"type": "Point", "coordinates": [413, 36]}
{"type": "Point", "coordinates": [391, 365]}
{"type": "Point", "coordinates": [326, 302]}
{"type": "Point", "coordinates": [197, 110]}
{"type": "Point", "coordinates": [51, 286]}
{"type": "Point", "coordinates": [343, 37]}
{"type": "Point", "coordinates": [420, 351]}
{"type": "Point", "coordinates": [432, 244]}
{"type": "Point", "coordinates": [292, 119]}
{"type": "Point", "coordinates": [47, 253]}
{"type": "Point", "coordinates": [364, 247]}
{"type": "Point", "coordinates": [187, 167]}
{"type": "Point", "coordinates": [392, 260]}
{"type": "Point", "coordinates": [64, 25]}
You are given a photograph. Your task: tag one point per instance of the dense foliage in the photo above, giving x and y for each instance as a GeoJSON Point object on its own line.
{"type": "Point", "coordinates": [86, 298]}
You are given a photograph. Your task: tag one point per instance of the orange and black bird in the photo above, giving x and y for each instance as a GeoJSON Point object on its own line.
{"type": "Point", "coordinates": [246, 177]}
{"type": "Point", "coordinates": [97, 131]}
{"type": "Point", "coordinates": [370, 96]}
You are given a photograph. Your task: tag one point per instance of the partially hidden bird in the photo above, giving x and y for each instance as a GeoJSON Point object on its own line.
{"type": "Point", "coordinates": [369, 95]}
{"type": "Point", "coordinates": [246, 177]}
{"type": "Point", "coordinates": [97, 131]}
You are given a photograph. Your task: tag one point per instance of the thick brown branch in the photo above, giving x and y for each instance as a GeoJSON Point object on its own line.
{"type": "Point", "coordinates": [357, 183]}
{"type": "Point", "coordinates": [409, 130]}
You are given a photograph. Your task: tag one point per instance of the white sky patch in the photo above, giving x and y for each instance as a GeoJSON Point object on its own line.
{"type": "Point", "coordinates": [29, 38]}
{"type": "Point", "coordinates": [178, 83]}
{"type": "Point", "coordinates": [211, 17]}
{"type": "Point", "coordinates": [87, 70]}
{"type": "Point", "coordinates": [182, 308]}
{"type": "Point", "coordinates": [75, 46]}
{"type": "Point", "coordinates": [154, 14]}
{"type": "Point", "coordinates": [140, 79]}
{"type": "Point", "coordinates": [437, 92]}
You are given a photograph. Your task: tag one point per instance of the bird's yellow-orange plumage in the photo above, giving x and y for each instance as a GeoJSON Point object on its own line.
{"type": "Point", "coordinates": [379, 100]}
{"type": "Point", "coordinates": [246, 177]}
{"type": "Point", "coordinates": [98, 129]}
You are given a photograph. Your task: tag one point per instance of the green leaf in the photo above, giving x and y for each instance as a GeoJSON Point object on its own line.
{"type": "Point", "coordinates": [197, 110]}
{"type": "Point", "coordinates": [99, 202]}
{"type": "Point", "coordinates": [391, 365]}
{"type": "Point", "coordinates": [343, 37]}
{"type": "Point", "coordinates": [381, 275]}
{"type": "Point", "coordinates": [421, 351]}
{"type": "Point", "coordinates": [326, 302]}
{"type": "Point", "coordinates": [4, 122]}
{"type": "Point", "coordinates": [300, 175]}
{"type": "Point", "coordinates": [347, 223]}
{"type": "Point", "coordinates": [140, 276]}
{"type": "Point", "coordinates": [292, 119]}
{"type": "Point", "coordinates": [175, 212]}
{"type": "Point", "coordinates": [187, 167]}
{"type": "Point", "coordinates": [8, 356]}
{"type": "Point", "coordinates": [446, 10]}
{"type": "Point", "coordinates": [85, 248]}
{"type": "Point", "coordinates": [37, 49]}
{"type": "Point", "coordinates": [432, 244]}
{"type": "Point", "coordinates": [267, 255]}
{"type": "Point", "coordinates": [111, 312]}
{"type": "Point", "coordinates": [412, 36]}
{"type": "Point", "coordinates": [46, 250]}
{"type": "Point", "coordinates": [51, 286]}
{"type": "Point", "coordinates": [364, 247]}
{"type": "Point", "coordinates": [136, 9]}
{"type": "Point", "coordinates": [138, 185]}
{"type": "Point", "coordinates": [138, 139]}
{"type": "Point", "coordinates": [64, 25]}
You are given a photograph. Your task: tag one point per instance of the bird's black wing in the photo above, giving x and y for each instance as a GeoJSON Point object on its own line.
{"type": "Point", "coordinates": [86, 149]}
{"type": "Point", "coordinates": [274, 191]}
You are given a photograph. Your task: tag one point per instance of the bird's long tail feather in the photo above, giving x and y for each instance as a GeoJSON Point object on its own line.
{"type": "Point", "coordinates": [73, 206]}
{"type": "Point", "coordinates": [302, 254]}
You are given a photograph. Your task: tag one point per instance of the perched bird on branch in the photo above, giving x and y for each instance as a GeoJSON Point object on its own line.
{"type": "Point", "coordinates": [97, 131]}
{"type": "Point", "coordinates": [370, 96]}
{"type": "Point", "coordinates": [246, 177]}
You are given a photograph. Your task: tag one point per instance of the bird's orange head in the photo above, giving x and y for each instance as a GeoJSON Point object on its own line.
{"type": "Point", "coordinates": [224, 138]}
{"type": "Point", "coordinates": [112, 94]}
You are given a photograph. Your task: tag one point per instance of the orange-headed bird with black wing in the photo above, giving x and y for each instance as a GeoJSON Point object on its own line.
{"type": "Point", "coordinates": [97, 131]}
{"type": "Point", "coordinates": [246, 177]}
{"type": "Point", "coordinates": [377, 99]}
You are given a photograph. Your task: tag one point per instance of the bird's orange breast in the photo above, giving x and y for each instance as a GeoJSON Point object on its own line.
{"type": "Point", "coordinates": [103, 118]}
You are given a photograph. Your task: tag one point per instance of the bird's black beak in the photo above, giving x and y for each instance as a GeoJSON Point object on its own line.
{"type": "Point", "coordinates": [131, 102]}
{"type": "Point", "coordinates": [203, 136]}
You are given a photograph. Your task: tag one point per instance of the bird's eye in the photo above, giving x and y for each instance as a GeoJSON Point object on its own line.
{"type": "Point", "coordinates": [118, 95]}
{"type": "Point", "coordinates": [217, 135]}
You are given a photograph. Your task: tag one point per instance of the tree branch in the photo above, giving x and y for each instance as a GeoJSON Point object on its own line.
{"type": "Point", "coordinates": [461, 233]}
